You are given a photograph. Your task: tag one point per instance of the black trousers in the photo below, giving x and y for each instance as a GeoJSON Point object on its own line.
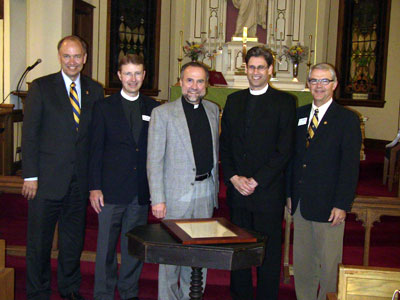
{"type": "Point", "coordinates": [43, 215]}
{"type": "Point", "coordinates": [268, 274]}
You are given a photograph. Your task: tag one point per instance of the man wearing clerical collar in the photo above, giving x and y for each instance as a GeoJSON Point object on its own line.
{"type": "Point", "coordinates": [182, 166]}
{"type": "Point", "coordinates": [256, 143]}
{"type": "Point", "coordinates": [118, 186]}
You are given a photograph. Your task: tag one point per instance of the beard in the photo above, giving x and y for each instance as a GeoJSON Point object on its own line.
{"type": "Point", "coordinates": [193, 98]}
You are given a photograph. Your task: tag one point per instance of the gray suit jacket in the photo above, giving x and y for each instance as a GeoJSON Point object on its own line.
{"type": "Point", "coordinates": [171, 168]}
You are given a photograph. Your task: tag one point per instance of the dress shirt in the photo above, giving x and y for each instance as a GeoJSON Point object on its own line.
{"type": "Point", "coordinates": [321, 111]}
{"type": "Point", "coordinates": [200, 135]}
{"type": "Point", "coordinates": [68, 82]}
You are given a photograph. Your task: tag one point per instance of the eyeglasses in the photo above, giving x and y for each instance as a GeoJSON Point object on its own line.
{"type": "Point", "coordinates": [323, 81]}
{"type": "Point", "coordinates": [259, 68]}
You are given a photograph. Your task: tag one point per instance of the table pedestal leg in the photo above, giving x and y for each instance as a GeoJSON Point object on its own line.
{"type": "Point", "coordinates": [196, 284]}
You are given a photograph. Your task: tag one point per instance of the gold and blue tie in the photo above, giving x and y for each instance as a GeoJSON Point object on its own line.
{"type": "Point", "coordinates": [76, 110]}
{"type": "Point", "coordinates": [312, 128]}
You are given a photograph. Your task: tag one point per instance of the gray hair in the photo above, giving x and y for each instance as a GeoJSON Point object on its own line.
{"type": "Point", "coordinates": [324, 67]}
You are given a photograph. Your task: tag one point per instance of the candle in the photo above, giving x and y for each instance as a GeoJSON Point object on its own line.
{"type": "Point", "coordinates": [270, 36]}
{"type": "Point", "coordinates": [209, 41]}
{"type": "Point", "coordinates": [275, 38]}
{"type": "Point", "coordinates": [220, 37]}
{"type": "Point", "coordinates": [215, 38]}
{"type": "Point", "coordinates": [280, 42]}
{"type": "Point", "coordinates": [309, 50]}
{"type": "Point", "coordinates": [181, 44]}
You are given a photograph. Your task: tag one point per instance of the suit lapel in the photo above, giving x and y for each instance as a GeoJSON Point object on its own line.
{"type": "Point", "coordinates": [63, 99]}
{"type": "Point", "coordinates": [182, 128]}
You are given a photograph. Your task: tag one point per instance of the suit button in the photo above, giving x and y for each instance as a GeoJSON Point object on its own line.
{"type": "Point", "coordinates": [137, 149]}
{"type": "Point", "coordinates": [304, 166]}
{"type": "Point", "coordinates": [194, 169]}
{"type": "Point", "coordinates": [192, 183]}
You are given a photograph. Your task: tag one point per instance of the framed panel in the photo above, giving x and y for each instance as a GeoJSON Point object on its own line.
{"type": "Point", "coordinates": [207, 231]}
{"type": "Point", "coordinates": [361, 56]}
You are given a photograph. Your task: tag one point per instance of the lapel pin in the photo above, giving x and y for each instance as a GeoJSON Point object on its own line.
{"type": "Point", "coordinates": [325, 122]}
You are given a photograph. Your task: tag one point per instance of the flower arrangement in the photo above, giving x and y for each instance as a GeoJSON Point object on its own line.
{"type": "Point", "coordinates": [194, 50]}
{"type": "Point", "coordinates": [296, 53]}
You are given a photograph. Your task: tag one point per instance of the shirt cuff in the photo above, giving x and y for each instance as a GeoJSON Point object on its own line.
{"type": "Point", "coordinates": [31, 179]}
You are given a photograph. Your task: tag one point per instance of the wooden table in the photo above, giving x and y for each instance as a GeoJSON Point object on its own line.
{"type": "Point", "coordinates": [153, 244]}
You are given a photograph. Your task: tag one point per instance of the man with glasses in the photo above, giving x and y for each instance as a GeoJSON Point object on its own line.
{"type": "Point", "coordinates": [119, 192]}
{"type": "Point", "coordinates": [323, 177]}
{"type": "Point", "coordinates": [255, 145]}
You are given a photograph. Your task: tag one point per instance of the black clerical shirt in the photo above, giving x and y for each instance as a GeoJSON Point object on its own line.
{"type": "Point", "coordinates": [133, 115]}
{"type": "Point", "coordinates": [200, 135]}
{"type": "Point", "coordinates": [251, 104]}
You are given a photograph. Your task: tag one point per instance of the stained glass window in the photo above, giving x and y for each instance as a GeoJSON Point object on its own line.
{"type": "Point", "coordinates": [362, 47]}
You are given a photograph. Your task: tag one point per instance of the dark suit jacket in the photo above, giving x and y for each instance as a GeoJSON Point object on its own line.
{"type": "Point", "coordinates": [117, 163]}
{"type": "Point", "coordinates": [262, 154]}
{"type": "Point", "coordinates": [52, 149]}
{"type": "Point", "coordinates": [325, 174]}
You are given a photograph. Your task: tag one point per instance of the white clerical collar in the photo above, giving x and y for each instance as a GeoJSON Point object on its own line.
{"type": "Point", "coordinates": [129, 98]}
{"type": "Point", "coordinates": [259, 92]}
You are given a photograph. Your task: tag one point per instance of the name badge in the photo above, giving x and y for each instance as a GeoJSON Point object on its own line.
{"type": "Point", "coordinates": [302, 121]}
{"type": "Point", "coordinates": [145, 118]}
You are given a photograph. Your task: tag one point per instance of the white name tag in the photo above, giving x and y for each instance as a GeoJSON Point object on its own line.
{"type": "Point", "coordinates": [145, 118]}
{"type": "Point", "coordinates": [302, 121]}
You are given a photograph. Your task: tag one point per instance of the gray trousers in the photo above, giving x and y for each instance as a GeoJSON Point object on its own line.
{"type": "Point", "coordinates": [116, 220]}
{"type": "Point", "coordinates": [317, 252]}
{"type": "Point", "coordinates": [201, 206]}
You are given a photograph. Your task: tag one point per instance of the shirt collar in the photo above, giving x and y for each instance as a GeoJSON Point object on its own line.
{"type": "Point", "coordinates": [68, 80]}
{"type": "Point", "coordinates": [129, 98]}
{"type": "Point", "coordinates": [187, 104]}
{"type": "Point", "coordinates": [259, 92]}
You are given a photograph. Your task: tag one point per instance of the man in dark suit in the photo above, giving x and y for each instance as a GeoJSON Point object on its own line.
{"type": "Point", "coordinates": [55, 149]}
{"type": "Point", "coordinates": [323, 178]}
{"type": "Point", "coordinates": [255, 146]}
{"type": "Point", "coordinates": [119, 191]}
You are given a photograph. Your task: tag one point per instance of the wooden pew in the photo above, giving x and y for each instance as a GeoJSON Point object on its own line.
{"type": "Point", "coordinates": [366, 283]}
{"type": "Point", "coordinates": [6, 276]}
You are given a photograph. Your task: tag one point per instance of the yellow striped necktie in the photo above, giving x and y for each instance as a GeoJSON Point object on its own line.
{"type": "Point", "coordinates": [76, 110]}
{"type": "Point", "coordinates": [312, 128]}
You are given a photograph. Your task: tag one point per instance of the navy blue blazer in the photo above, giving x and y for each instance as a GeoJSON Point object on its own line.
{"type": "Point", "coordinates": [325, 174]}
{"type": "Point", "coordinates": [117, 164]}
{"type": "Point", "coordinates": [52, 149]}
